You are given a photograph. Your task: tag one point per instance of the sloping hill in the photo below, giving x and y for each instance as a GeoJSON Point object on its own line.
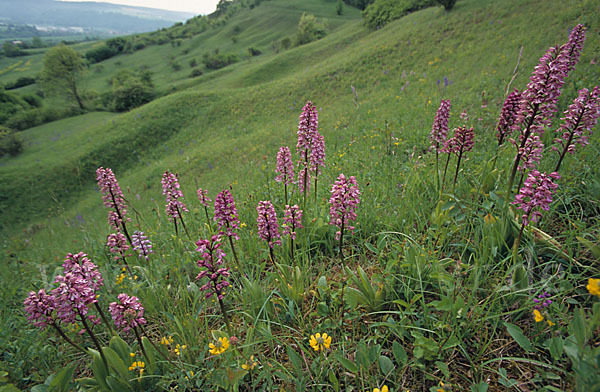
{"type": "Point", "coordinates": [259, 99]}
{"type": "Point", "coordinates": [458, 304]}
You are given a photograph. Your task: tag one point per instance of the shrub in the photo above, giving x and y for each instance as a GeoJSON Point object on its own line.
{"type": "Point", "coordinates": [253, 51]}
{"type": "Point", "coordinates": [448, 4]}
{"type": "Point", "coordinates": [32, 100]}
{"type": "Point", "coordinates": [196, 72]}
{"type": "Point", "coordinates": [21, 82]}
{"type": "Point", "coordinates": [193, 63]}
{"type": "Point", "coordinates": [175, 66]}
{"type": "Point", "coordinates": [382, 12]}
{"type": "Point", "coordinates": [9, 142]}
{"type": "Point", "coordinates": [339, 7]}
{"type": "Point", "coordinates": [99, 54]}
{"type": "Point", "coordinates": [130, 90]}
{"type": "Point", "coordinates": [310, 29]}
{"type": "Point", "coordinates": [218, 60]}
{"type": "Point", "coordinates": [117, 45]}
{"type": "Point", "coordinates": [286, 43]}
{"type": "Point", "coordinates": [10, 104]}
{"type": "Point", "coordinates": [360, 4]}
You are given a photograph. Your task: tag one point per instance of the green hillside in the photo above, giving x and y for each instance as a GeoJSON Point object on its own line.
{"type": "Point", "coordinates": [376, 93]}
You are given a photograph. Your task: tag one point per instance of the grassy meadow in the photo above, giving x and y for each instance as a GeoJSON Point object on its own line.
{"type": "Point", "coordinates": [434, 298]}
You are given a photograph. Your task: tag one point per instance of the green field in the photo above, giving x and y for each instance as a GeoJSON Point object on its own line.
{"type": "Point", "coordinates": [441, 300]}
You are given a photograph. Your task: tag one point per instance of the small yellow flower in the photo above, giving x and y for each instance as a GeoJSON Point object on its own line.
{"type": "Point", "coordinates": [320, 343]}
{"type": "Point", "coordinates": [119, 279]}
{"type": "Point", "coordinates": [250, 365]}
{"type": "Point", "coordinates": [138, 365]}
{"type": "Point", "coordinates": [132, 355]}
{"type": "Point", "coordinates": [538, 316]}
{"type": "Point", "coordinates": [489, 218]}
{"type": "Point", "coordinates": [444, 387]}
{"type": "Point", "coordinates": [550, 323]}
{"type": "Point", "coordinates": [166, 341]}
{"type": "Point", "coordinates": [594, 286]}
{"type": "Point", "coordinates": [219, 347]}
{"type": "Point", "coordinates": [179, 349]}
{"type": "Point", "coordinates": [383, 389]}
{"type": "Point", "coordinates": [243, 224]}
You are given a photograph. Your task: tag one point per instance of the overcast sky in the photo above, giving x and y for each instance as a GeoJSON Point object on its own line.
{"type": "Point", "coordinates": [193, 6]}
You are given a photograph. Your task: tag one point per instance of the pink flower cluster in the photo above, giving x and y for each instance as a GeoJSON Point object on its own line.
{"type": "Point", "coordinates": [310, 146]}
{"type": "Point", "coordinates": [581, 116]}
{"type": "Point", "coordinates": [80, 264]}
{"type": "Point", "coordinates": [112, 197]}
{"type": "Point", "coordinates": [72, 297]}
{"type": "Point", "coordinates": [127, 313]}
{"type": "Point", "coordinates": [285, 166]}
{"type": "Point", "coordinates": [74, 293]}
{"type": "Point", "coordinates": [508, 116]}
{"type": "Point", "coordinates": [462, 141]}
{"type": "Point", "coordinates": [535, 195]}
{"type": "Point", "coordinates": [226, 214]}
{"type": "Point", "coordinates": [142, 245]}
{"type": "Point", "coordinates": [439, 130]}
{"type": "Point", "coordinates": [292, 220]}
{"type": "Point", "coordinates": [204, 200]}
{"type": "Point", "coordinates": [539, 100]}
{"type": "Point", "coordinates": [307, 128]}
{"type": "Point", "coordinates": [211, 259]}
{"type": "Point", "coordinates": [40, 308]}
{"type": "Point", "coordinates": [345, 196]}
{"type": "Point", "coordinates": [268, 228]}
{"type": "Point", "coordinates": [117, 244]}
{"type": "Point", "coordinates": [174, 206]}
{"type": "Point", "coordinates": [317, 155]}
{"type": "Point", "coordinates": [531, 153]}
{"type": "Point", "coordinates": [574, 46]}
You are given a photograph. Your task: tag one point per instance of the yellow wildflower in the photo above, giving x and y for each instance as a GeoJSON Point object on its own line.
{"type": "Point", "coordinates": [132, 355]}
{"type": "Point", "coordinates": [320, 343]}
{"type": "Point", "coordinates": [120, 279]}
{"type": "Point", "coordinates": [166, 341]}
{"type": "Point", "coordinates": [594, 286]}
{"type": "Point", "coordinates": [550, 323]}
{"type": "Point", "coordinates": [538, 316]}
{"type": "Point", "coordinates": [243, 224]}
{"type": "Point", "coordinates": [219, 347]}
{"type": "Point", "coordinates": [383, 389]}
{"type": "Point", "coordinates": [250, 365]}
{"type": "Point", "coordinates": [138, 365]}
{"type": "Point", "coordinates": [179, 349]}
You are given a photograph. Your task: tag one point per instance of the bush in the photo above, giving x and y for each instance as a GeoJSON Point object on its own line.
{"type": "Point", "coordinates": [310, 29]}
{"type": "Point", "coordinates": [218, 60]}
{"type": "Point", "coordinates": [286, 43]}
{"type": "Point", "coordinates": [21, 82]}
{"type": "Point", "coordinates": [448, 4]}
{"type": "Point", "coordinates": [10, 105]}
{"type": "Point", "coordinates": [117, 45]}
{"type": "Point", "coordinates": [339, 7]}
{"type": "Point", "coordinates": [253, 51]}
{"type": "Point", "coordinates": [99, 54]}
{"type": "Point", "coordinates": [360, 4]}
{"type": "Point", "coordinates": [32, 118]}
{"type": "Point", "coordinates": [382, 12]}
{"type": "Point", "coordinates": [33, 101]}
{"type": "Point", "coordinates": [130, 90]}
{"type": "Point", "coordinates": [9, 142]}
{"type": "Point", "coordinates": [196, 72]}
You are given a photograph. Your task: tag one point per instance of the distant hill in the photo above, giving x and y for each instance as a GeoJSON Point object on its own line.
{"type": "Point", "coordinates": [87, 16]}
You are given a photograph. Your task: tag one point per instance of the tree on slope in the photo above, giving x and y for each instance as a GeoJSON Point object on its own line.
{"type": "Point", "coordinates": [61, 73]}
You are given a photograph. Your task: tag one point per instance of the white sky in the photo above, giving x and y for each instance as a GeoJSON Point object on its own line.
{"type": "Point", "coordinates": [193, 6]}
